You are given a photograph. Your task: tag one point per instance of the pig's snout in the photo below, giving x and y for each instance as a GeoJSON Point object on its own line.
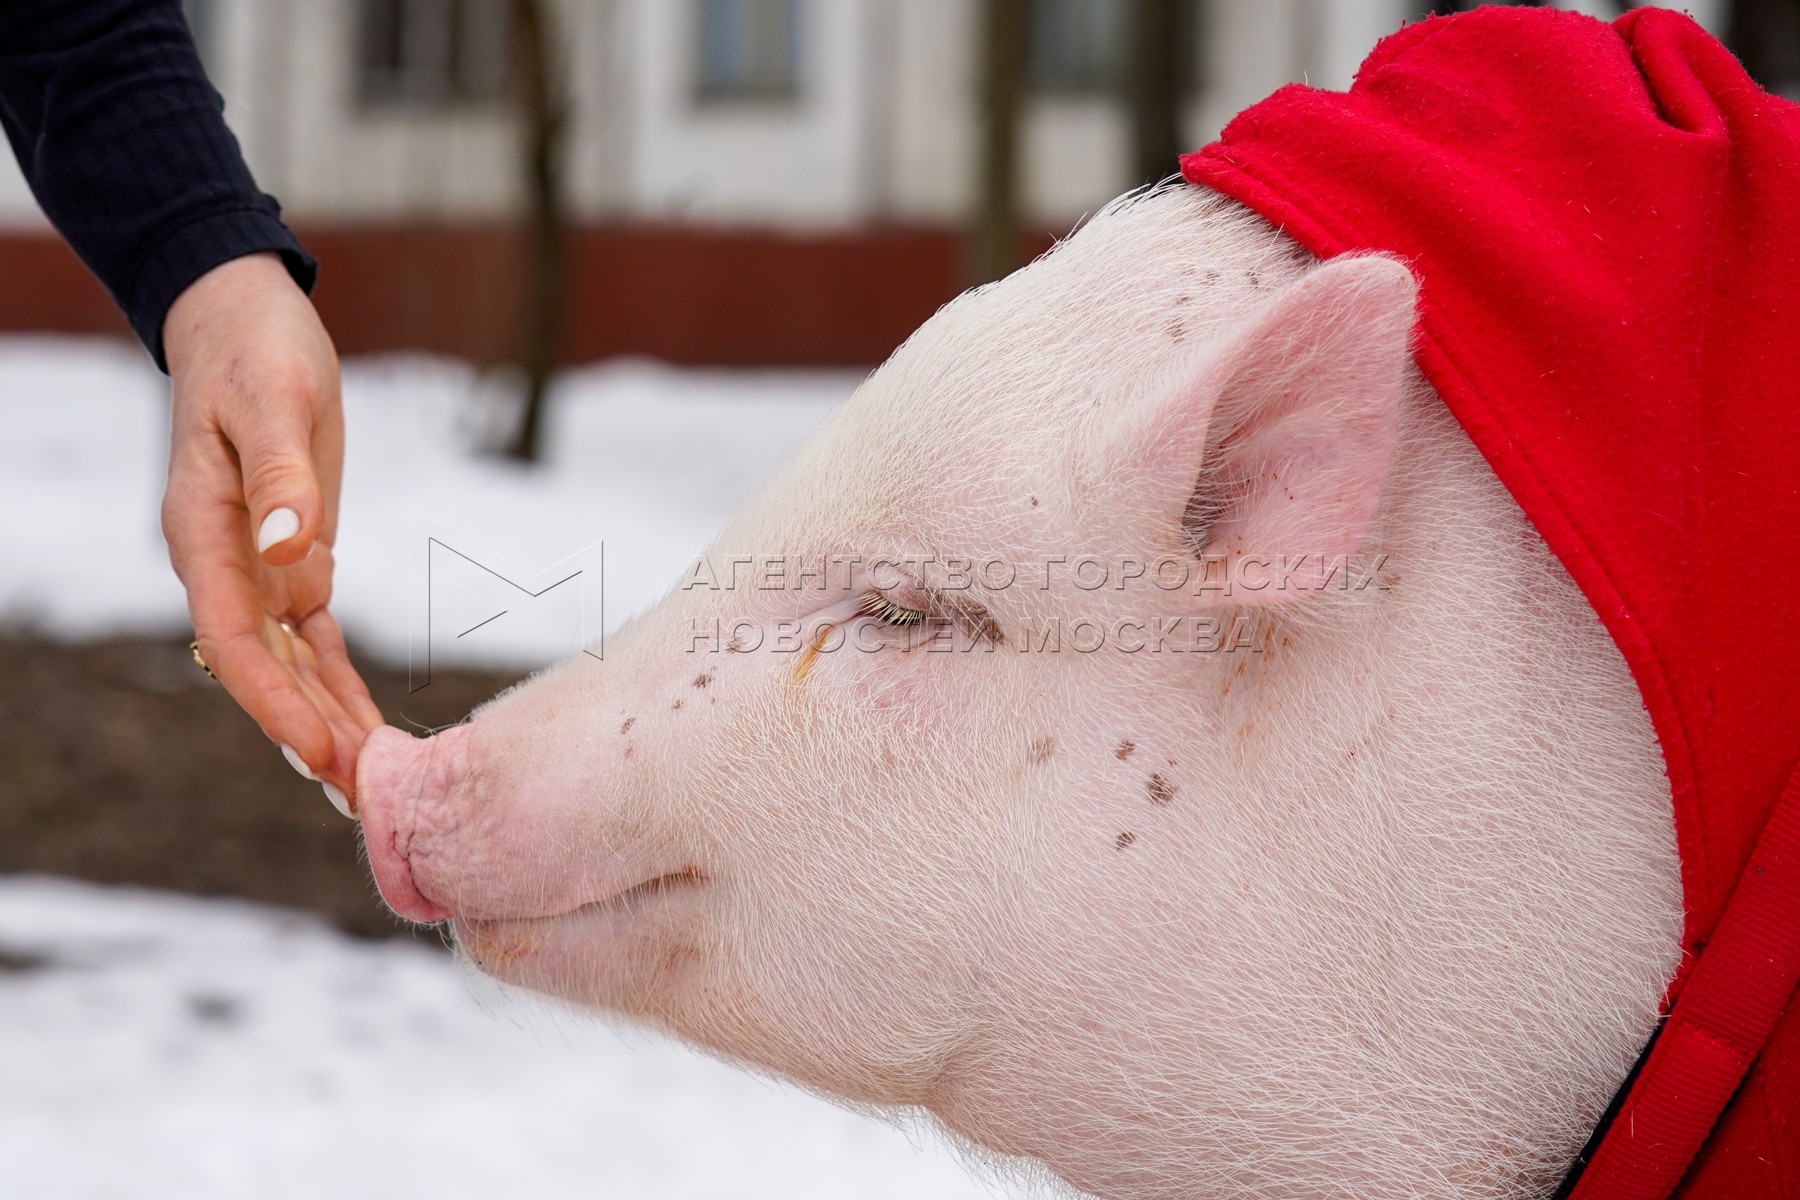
{"type": "Point", "coordinates": [393, 772]}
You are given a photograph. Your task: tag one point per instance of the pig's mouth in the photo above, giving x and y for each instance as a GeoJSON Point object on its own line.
{"type": "Point", "coordinates": [394, 876]}
{"type": "Point", "coordinates": [537, 949]}
{"type": "Point", "coordinates": [627, 901]}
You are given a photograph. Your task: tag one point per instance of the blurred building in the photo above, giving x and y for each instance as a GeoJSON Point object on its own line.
{"type": "Point", "coordinates": [747, 181]}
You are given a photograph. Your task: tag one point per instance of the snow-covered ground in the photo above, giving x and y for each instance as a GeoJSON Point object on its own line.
{"type": "Point", "coordinates": [175, 1047]}
{"type": "Point", "coordinates": [648, 459]}
{"type": "Point", "coordinates": [172, 1048]}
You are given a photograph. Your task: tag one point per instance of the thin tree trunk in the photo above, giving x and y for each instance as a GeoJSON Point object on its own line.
{"type": "Point", "coordinates": [994, 241]}
{"type": "Point", "coordinates": [543, 112]}
{"type": "Point", "coordinates": [1153, 87]}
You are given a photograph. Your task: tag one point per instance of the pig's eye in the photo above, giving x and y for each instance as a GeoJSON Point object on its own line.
{"type": "Point", "coordinates": [876, 605]}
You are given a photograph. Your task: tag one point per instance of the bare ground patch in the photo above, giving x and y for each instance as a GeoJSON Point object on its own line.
{"type": "Point", "coordinates": [120, 762]}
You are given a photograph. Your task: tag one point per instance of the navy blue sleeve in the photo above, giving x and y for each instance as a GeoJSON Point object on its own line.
{"type": "Point", "coordinates": [124, 144]}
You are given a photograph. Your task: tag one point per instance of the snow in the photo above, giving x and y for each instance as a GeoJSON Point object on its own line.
{"type": "Point", "coordinates": [81, 467]}
{"type": "Point", "coordinates": [178, 1047]}
{"type": "Point", "coordinates": [650, 460]}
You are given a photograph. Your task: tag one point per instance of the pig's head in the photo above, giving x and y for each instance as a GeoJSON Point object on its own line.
{"type": "Point", "coordinates": [1135, 728]}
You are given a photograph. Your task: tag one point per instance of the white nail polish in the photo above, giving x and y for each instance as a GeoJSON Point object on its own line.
{"type": "Point", "coordinates": [338, 800]}
{"type": "Point", "coordinates": [298, 763]}
{"type": "Point", "coordinates": [277, 527]}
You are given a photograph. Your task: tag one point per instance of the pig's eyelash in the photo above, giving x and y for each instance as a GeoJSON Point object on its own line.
{"type": "Point", "coordinates": [876, 605]}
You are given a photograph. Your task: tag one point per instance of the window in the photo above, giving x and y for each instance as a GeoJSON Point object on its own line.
{"type": "Point", "coordinates": [1081, 47]}
{"type": "Point", "coordinates": [1445, 8]}
{"type": "Point", "coordinates": [747, 50]}
{"type": "Point", "coordinates": [434, 53]}
{"type": "Point", "coordinates": [1076, 46]}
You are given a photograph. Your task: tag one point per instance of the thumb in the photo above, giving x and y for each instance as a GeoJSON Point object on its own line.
{"type": "Point", "coordinates": [281, 491]}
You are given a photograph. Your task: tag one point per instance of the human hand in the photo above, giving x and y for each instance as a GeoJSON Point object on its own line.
{"type": "Point", "coordinates": [250, 513]}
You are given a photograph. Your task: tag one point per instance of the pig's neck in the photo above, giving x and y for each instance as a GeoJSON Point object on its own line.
{"type": "Point", "coordinates": [1423, 908]}
{"type": "Point", "coordinates": [1490, 833]}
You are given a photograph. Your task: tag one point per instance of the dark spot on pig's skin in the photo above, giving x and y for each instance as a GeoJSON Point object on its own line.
{"type": "Point", "coordinates": [1124, 749]}
{"type": "Point", "coordinates": [675, 957]}
{"type": "Point", "coordinates": [1034, 502]}
{"type": "Point", "coordinates": [628, 751]}
{"type": "Point", "coordinates": [1041, 749]}
{"type": "Point", "coordinates": [629, 722]}
{"type": "Point", "coordinates": [675, 705]}
{"type": "Point", "coordinates": [1176, 331]}
{"type": "Point", "coordinates": [702, 679]}
{"type": "Point", "coordinates": [1125, 839]}
{"type": "Point", "coordinates": [1161, 790]}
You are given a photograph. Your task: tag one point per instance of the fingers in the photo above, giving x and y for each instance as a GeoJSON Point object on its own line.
{"type": "Point", "coordinates": [283, 690]}
{"type": "Point", "coordinates": [281, 490]}
{"type": "Point", "coordinates": [276, 676]}
{"type": "Point", "coordinates": [302, 690]}
{"type": "Point", "coordinates": [340, 678]}
{"type": "Point", "coordinates": [272, 693]}
{"type": "Point", "coordinates": [347, 733]}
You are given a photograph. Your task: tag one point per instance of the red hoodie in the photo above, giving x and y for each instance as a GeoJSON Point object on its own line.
{"type": "Point", "coordinates": [1605, 223]}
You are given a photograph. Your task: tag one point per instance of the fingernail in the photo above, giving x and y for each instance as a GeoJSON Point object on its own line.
{"type": "Point", "coordinates": [278, 526]}
{"type": "Point", "coordinates": [296, 762]}
{"type": "Point", "coordinates": [338, 800]}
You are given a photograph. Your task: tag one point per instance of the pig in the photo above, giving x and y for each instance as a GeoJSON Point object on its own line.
{"type": "Point", "coordinates": [1364, 883]}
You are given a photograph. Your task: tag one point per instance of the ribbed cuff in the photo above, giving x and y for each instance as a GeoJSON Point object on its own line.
{"type": "Point", "coordinates": [197, 248]}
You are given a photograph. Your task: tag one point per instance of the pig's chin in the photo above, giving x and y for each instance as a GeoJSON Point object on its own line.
{"type": "Point", "coordinates": [602, 952]}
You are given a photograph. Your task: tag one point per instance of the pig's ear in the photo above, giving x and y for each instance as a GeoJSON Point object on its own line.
{"type": "Point", "coordinates": [1274, 445]}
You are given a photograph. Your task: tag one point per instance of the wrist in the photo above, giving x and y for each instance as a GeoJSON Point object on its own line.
{"type": "Point", "coordinates": [216, 298]}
